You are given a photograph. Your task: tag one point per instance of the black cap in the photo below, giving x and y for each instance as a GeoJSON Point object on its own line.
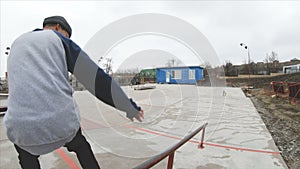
{"type": "Point", "coordinates": [58, 20]}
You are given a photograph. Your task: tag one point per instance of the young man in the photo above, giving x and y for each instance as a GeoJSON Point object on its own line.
{"type": "Point", "coordinates": [42, 114]}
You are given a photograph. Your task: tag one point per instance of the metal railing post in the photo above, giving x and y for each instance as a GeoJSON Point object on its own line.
{"type": "Point", "coordinates": [170, 161]}
{"type": "Point", "coordinates": [202, 138]}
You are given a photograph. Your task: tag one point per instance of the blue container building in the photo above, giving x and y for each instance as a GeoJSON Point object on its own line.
{"type": "Point", "coordinates": [179, 75]}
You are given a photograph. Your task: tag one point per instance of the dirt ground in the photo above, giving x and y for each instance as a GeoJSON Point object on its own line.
{"type": "Point", "coordinates": [283, 121]}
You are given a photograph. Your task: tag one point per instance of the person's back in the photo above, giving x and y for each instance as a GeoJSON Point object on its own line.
{"type": "Point", "coordinates": [40, 99]}
{"type": "Point", "coordinates": [42, 114]}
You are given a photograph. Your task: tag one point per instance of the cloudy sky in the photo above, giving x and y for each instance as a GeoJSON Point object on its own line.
{"type": "Point", "coordinates": [265, 26]}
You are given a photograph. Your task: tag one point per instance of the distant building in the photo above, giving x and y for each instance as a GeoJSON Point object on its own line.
{"type": "Point", "coordinates": [291, 69]}
{"type": "Point", "coordinates": [180, 75]}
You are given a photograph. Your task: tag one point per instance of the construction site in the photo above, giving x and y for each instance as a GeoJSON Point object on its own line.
{"type": "Point", "coordinates": [255, 127]}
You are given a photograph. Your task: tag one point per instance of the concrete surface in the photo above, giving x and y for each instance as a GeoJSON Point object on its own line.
{"type": "Point", "coordinates": [235, 137]}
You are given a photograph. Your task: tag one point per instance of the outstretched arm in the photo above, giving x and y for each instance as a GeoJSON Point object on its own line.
{"type": "Point", "coordinates": [97, 81]}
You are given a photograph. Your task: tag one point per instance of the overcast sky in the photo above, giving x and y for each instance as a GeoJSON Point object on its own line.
{"type": "Point", "coordinates": [264, 26]}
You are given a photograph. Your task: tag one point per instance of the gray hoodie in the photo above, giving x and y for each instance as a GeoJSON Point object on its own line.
{"type": "Point", "coordinates": [42, 114]}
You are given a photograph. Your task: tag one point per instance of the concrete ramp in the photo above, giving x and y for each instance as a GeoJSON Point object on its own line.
{"type": "Point", "coordinates": [235, 137]}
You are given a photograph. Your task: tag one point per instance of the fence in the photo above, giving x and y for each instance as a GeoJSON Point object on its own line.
{"type": "Point", "coordinates": [289, 90]}
{"type": "Point", "coordinates": [294, 92]}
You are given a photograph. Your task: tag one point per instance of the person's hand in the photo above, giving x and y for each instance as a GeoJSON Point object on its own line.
{"type": "Point", "coordinates": [139, 116]}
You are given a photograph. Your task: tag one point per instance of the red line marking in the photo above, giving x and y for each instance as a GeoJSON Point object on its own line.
{"type": "Point", "coordinates": [67, 159]}
{"type": "Point", "coordinates": [89, 124]}
{"type": "Point", "coordinates": [206, 143]}
{"type": "Point", "coordinates": [242, 149]}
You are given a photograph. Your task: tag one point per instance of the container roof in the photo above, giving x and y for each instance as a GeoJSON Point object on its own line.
{"type": "Point", "coordinates": [179, 67]}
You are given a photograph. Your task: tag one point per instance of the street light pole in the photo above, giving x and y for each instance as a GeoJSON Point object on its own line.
{"type": "Point", "coordinates": [6, 75]}
{"type": "Point", "coordinates": [247, 48]}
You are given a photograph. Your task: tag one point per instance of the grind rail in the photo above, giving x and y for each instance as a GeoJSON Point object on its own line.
{"type": "Point", "coordinates": [171, 151]}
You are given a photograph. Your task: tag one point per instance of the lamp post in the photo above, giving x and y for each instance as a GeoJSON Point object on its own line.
{"type": "Point", "coordinates": [247, 48]}
{"type": "Point", "coordinates": [6, 75]}
{"type": "Point", "coordinates": [7, 49]}
{"type": "Point", "coordinates": [99, 60]}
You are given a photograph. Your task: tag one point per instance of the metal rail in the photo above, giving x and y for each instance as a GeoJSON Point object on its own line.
{"type": "Point", "coordinates": [171, 151]}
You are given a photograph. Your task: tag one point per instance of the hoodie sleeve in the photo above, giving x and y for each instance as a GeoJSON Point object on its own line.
{"type": "Point", "coordinates": [95, 79]}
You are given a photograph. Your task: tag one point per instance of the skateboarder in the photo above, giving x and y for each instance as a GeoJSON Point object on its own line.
{"type": "Point", "coordinates": [42, 114]}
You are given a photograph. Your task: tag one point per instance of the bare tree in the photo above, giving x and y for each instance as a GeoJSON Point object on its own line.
{"type": "Point", "coordinates": [206, 65]}
{"type": "Point", "coordinates": [106, 64]}
{"type": "Point", "coordinates": [273, 57]}
{"type": "Point", "coordinates": [272, 62]}
{"type": "Point", "coordinates": [266, 60]}
{"type": "Point", "coordinates": [173, 62]}
{"type": "Point", "coordinates": [227, 67]}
